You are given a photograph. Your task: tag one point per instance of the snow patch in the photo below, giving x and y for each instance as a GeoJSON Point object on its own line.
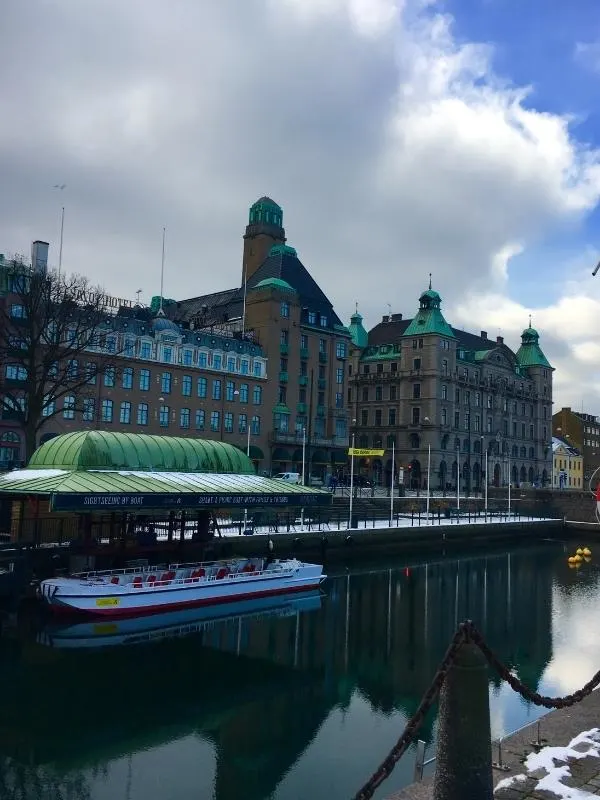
{"type": "Point", "coordinates": [31, 474]}
{"type": "Point", "coordinates": [554, 762]}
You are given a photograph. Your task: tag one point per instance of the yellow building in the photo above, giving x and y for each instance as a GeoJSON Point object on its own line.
{"type": "Point", "coordinates": [567, 466]}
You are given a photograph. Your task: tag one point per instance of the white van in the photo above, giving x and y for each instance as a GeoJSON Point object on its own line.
{"type": "Point", "coordinates": [290, 477]}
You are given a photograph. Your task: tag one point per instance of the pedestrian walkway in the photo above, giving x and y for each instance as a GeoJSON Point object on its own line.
{"type": "Point", "coordinates": [567, 766]}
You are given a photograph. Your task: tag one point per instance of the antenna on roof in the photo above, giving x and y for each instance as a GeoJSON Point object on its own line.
{"type": "Point", "coordinates": [389, 305]}
{"type": "Point", "coordinates": [356, 307]}
{"type": "Point", "coordinates": [530, 320]}
{"type": "Point", "coordinates": [596, 269]}
{"type": "Point", "coordinates": [430, 280]}
{"type": "Point", "coordinates": [162, 275]}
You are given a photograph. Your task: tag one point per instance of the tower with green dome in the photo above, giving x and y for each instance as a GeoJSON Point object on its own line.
{"type": "Point", "coordinates": [263, 231]}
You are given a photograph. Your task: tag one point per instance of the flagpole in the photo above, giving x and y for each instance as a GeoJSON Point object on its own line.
{"type": "Point", "coordinates": [486, 479]}
{"type": "Point", "coordinates": [351, 483]}
{"type": "Point", "coordinates": [392, 486]}
{"type": "Point", "coordinates": [458, 480]}
{"type": "Point", "coordinates": [428, 475]}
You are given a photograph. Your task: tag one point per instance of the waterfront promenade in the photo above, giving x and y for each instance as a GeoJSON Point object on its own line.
{"type": "Point", "coordinates": [557, 729]}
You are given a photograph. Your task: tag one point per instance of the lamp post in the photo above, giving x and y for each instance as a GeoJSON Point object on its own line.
{"type": "Point", "coordinates": [426, 421]}
{"type": "Point", "coordinates": [481, 465]}
{"type": "Point", "coordinates": [351, 475]}
{"type": "Point", "coordinates": [303, 472]}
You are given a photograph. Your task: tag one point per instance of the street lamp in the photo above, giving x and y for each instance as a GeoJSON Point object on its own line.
{"type": "Point", "coordinates": [351, 473]}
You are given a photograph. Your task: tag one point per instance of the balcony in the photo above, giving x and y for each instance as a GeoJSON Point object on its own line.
{"type": "Point", "coordinates": [304, 353]}
{"type": "Point", "coordinates": [303, 380]}
{"type": "Point", "coordinates": [284, 349]}
{"type": "Point", "coordinates": [283, 377]}
{"type": "Point", "coordinates": [277, 437]}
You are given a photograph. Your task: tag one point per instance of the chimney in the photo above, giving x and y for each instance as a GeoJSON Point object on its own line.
{"type": "Point", "coordinates": [39, 256]}
{"type": "Point", "coordinates": [396, 317]}
{"type": "Point", "coordinates": [500, 339]}
{"type": "Point", "coordinates": [385, 318]}
{"type": "Point", "coordinates": [484, 334]}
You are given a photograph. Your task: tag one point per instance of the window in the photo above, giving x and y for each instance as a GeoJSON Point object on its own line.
{"type": "Point", "coordinates": [163, 416]}
{"type": "Point", "coordinates": [255, 426]}
{"type": "Point", "coordinates": [69, 406]}
{"type": "Point", "coordinates": [244, 369]}
{"type": "Point", "coordinates": [379, 368]}
{"type": "Point", "coordinates": [339, 399]}
{"type": "Point", "coordinates": [339, 375]}
{"type": "Point", "coordinates": [15, 373]}
{"type": "Point", "coordinates": [285, 309]}
{"type": "Point", "coordinates": [467, 422]}
{"type": "Point", "coordinates": [365, 394]}
{"type": "Point", "coordinates": [203, 360]}
{"type": "Point", "coordinates": [258, 369]}
{"type": "Point", "coordinates": [531, 431]}
{"type": "Point", "coordinates": [457, 419]}
{"type": "Point", "coordinates": [142, 414]}
{"type": "Point", "coordinates": [243, 392]}
{"type": "Point", "coordinates": [364, 417]}
{"type": "Point", "coordinates": [187, 357]}
{"type": "Point", "coordinates": [91, 370]}
{"type": "Point", "coordinates": [445, 367]}
{"type": "Point", "coordinates": [444, 416]}
{"type": "Point", "coordinates": [215, 420]}
{"type": "Point", "coordinates": [228, 422]}
{"type": "Point", "coordinates": [257, 395]}
{"type": "Point", "coordinates": [107, 410]}
{"type": "Point", "coordinates": [217, 362]}
{"type": "Point", "coordinates": [184, 418]}
{"type": "Point", "coordinates": [312, 317]}
{"type": "Point", "coordinates": [231, 364]}
{"type": "Point", "coordinates": [49, 406]}
{"type": "Point", "coordinates": [200, 416]}
{"type": "Point", "coordinates": [303, 341]}
{"type": "Point", "coordinates": [416, 416]}
{"type": "Point", "coordinates": [489, 424]}
{"type": "Point", "coordinates": [127, 378]}
{"type": "Point", "coordinates": [88, 409]}
{"type": "Point", "coordinates": [391, 416]}
{"type": "Point", "coordinates": [323, 321]}
{"type": "Point", "coordinates": [186, 385]}
{"type": "Point", "coordinates": [340, 349]}
{"type": "Point", "coordinates": [72, 369]}
{"type": "Point", "coordinates": [416, 391]}
{"type": "Point", "coordinates": [444, 392]}
{"type": "Point", "coordinates": [281, 422]}
{"type": "Point", "coordinates": [416, 363]}
{"type": "Point", "coordinates": [201, 387]}
{"type": "Point", "coordinates": [477, 399]}
{"type": "Point", "coordinates": [109, 376]}
{"type": "Point", "coordinates": [144, 380]}
{"type": "Point", "coordinates": [392, 392]}
{"type": "Point", "coordinates": [125, 413]}
{"type": "Point", "coordinates": [322, 346]}
{"type": "Point", "coordinates": [229, 391]}
{"type": "Point", "coordinates": [165, 382]}
{"type": "Point", "coordinates": [168, 355]}
{"type": "Point", "coordinates": [477, 423]}
{"type": "Point", "coordinates": [243, 423]}
{"type": "Point", "coordinates": [378, 394]}
{"type": "Point", "coordinates": [17, 311]}
{"type": "Point", "coordinates": [146, 350]}
{"type": "Point", "coordinates": [216, 390]}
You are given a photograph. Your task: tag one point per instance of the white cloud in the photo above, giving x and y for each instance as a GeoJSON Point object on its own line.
{"type": "Point", "coordinates": [392, 145]}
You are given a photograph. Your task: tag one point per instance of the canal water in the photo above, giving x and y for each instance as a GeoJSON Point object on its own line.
{"type": "Point", "coordinates": [291, 699]}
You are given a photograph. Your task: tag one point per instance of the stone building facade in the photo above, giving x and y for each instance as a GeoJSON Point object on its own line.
{"type": "Point", "coordinates": [452, 399]}
{"type": "Point", "coordinates": [262, 365]}
{"type": "Point", "coordinates": [581, 431]}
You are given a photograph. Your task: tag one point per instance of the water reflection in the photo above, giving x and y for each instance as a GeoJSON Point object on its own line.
{"type": "Point", "coordinates": [298, 698]}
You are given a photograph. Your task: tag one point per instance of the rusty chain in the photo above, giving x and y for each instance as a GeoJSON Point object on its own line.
{"type": "Point", "coordinates": [466, 632]}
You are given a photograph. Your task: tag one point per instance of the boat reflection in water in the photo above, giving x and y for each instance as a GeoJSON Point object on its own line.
{"type": "Point", "coordinates": [174, 624]}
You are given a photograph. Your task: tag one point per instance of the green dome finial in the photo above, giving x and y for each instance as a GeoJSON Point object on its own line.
{"type": "Point", "coordinates": [266, 211]}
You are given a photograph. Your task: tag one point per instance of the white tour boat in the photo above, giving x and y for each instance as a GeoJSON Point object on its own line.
{"type": "Point", "coordinates": [151, 590]}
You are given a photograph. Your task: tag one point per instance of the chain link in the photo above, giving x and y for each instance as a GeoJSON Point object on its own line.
{"type": "Point", "coordinates": [466, 632]}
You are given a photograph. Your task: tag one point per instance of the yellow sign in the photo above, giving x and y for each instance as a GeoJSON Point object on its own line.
{"type": "Point", "coordinates": [107, 601]}
{"type": "Point", "coordinates": [361, 451]}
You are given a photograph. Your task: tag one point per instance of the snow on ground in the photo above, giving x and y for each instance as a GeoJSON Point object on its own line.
{"type": "Point", "coordinates": [554, 762]}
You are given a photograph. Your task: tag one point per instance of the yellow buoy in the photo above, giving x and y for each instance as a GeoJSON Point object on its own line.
{"type": "Point", "coordinates": [587, 559]}
{"type": "Point", "coordinates": [571, 559]}
{"type": "Point", "coordinates": [579, 551]}
{"type": "Point", "coordinates": [571, 566]}
{"type": "Point", "coordinates": [578, 565]}
{"type": "Point", "coordinates": [578, 559]}
{"type": "Point", "coordinates": [587, 552]}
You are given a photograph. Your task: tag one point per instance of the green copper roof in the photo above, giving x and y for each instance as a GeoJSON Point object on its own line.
{"type": "Point", "coordinates": [382, 352]}
{"type": "Point", "coordinates": [104, 450]}
{"type": "Point", "coordinates": [429, 318]}
{"type": "Point", "coordinates": [530, 353]}
{"type": "Point", "coordinates": [266, 212]}
{"type": "Point", "coordinates": [358, 334]}
{"type": "Point", "coordinates": [274, 283]}
{"type": "Point", "coordinates": [266, 202]}
{"type": "Point", "coordinates": [283, 250]}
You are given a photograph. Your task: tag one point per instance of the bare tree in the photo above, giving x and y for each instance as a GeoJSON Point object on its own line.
{"type": "Point", "coordinates": [56, 338]}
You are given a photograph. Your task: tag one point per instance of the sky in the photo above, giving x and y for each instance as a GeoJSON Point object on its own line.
{"type": "Point", "coordinates": [400, 137]}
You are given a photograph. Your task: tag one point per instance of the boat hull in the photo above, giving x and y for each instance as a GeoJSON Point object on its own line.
{"type": "Point", "coordinates": [68, 596]}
